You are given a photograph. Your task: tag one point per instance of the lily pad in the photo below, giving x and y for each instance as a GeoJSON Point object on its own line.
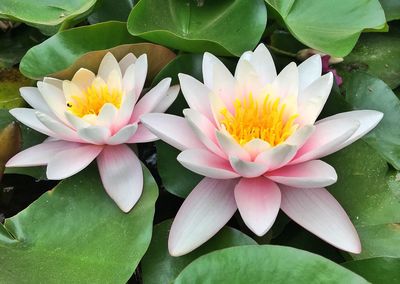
{"type": "Point", "coordinates": [265, 264]}
{"type": "Point", "coordinates": [222, 27]}
{"type": "Point", "coordinates": [110, 10]}
{"type": "Point", "coordinates": [76, 232]}
{"type": "Point", "coordinates": [332, 27]}
{"type": "Point", "coordinates": [391, 8]}
{"type": "Point", "coordinates": [10, 82]}
{"type": "Point", "coordinates": [158, 259]}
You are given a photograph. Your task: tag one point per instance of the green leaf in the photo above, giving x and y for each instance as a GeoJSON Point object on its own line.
{"type": "Point", "coordinates": [15, 43]}
{"type": "Point", "coordinates": [364, 91]}
{"type": "Point", "coordinates": [63, 49]}
{"type": "Point", "coordinates": [110, 10]}
{"type": "Point", "coordinates": [44, 13]}
{"type": "Point", "coordinates": [369, 192]}
{"type": "Point", "coordinates": [76, 233]}
{"type": "Point", "coordinates": [11, 80]}
{"type": "Point", "coordinates": [377, 54]}
{"type": "Point", "coordinates": [168, 267]}
{"type": "Point", "coordinates": [265, 264]}
{"type": "Point", "coordinates": [378, 270]}
{"type": "Point", "coordinates": [391, 8]}
{"type": "Point", "coordinates": [332, 27]}
{"type": "Point", "coordinates": [222, 27]}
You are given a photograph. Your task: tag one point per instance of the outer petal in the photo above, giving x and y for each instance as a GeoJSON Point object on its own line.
{"type": "Point", "coordinates": [258, 201]}
{"type": "Point", "coordinates": [313, 98]}
{"type": "Point", "coordinates": [140, 73]}
{"type": "Point", "coordinates": [121, 174]}
{"type": "Point", "coordinates": [71, 161]}
{"type": "Point", "coordinates": [59, 129]}
{"type": "Point", "coordinates": [172, 129]}
{"type": "Point", "coordinates": [203, 213]}
{"type": "Point", "coordinates": [326, 139]}
{"type": "Point", "coordinates": [196, 95]}
{"type": "Point", "coordinates": [142, 135]}
{"type": "Point", "coordinates": [168, 99]}
{"type": "Point", "coordinates": [317, 211]}
{"type": "Point", "coordinates": [28, 117]}
{"type": "Point", "coordinates": [150, 100]}
{"type": "Point", "coordinates": [55, 99]}
{"type": "Point", "coordinates": [311, 174]}
{"type": "Point", "coordinates": [34, 98]}
{"type": "Point", "coordinates": [205, 163]}
{"type": "Point", "coordinates": [309, 71]}
{"type": "Point", "coordinates": [368, 120]}
{"type": "Point", "coordinates": [204, 130]}
{"type": "Point", "coordinates": [40, 154]}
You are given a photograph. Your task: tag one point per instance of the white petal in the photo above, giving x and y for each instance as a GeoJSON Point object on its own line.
{"type": "Point", "coordinates": [55, 99]}
{"type": "Point", "coordinates": [53, 81]}
{"type": "Point", "coordinates": [203, 213]}
{"type": "Point", "coordinates": [258, 201]}
{"type": "Point", "coordinates": [316, 210]}
{"type": "Point", "coordinates": [230, 146]}
{"type": "Point", "coordinates": [121, 174]}
{"type": "Point", "coordinates": [76, 121]}
{"type": "Point", "coordinates": [107, 115]}
{"type": "Point", "coordinates": [107, 65]}
{"type": "Point", "coordinates": [248, 169]}
{"type": "Point", "coordinates": [256, 146]}
{"type": "Point", "coordinates": [127, 61]}
{"type": "Point", "coordinates": [114, 80]}
{"type": "Point", "coordinates": [277, 156]}
{"type": "Point", "coordinates": [34, 98]}
{"type": "Point", "coordinates": [71, 161]}
{"type": "Point", "coordinates": [142, 135]}
{"type": "Point", "coordinates": [263, 64]}
{"type": "Point", "coordinates": [83, 78]}
{"type": "Point", "coordinates": [309, 71]}
{"type": "Point", "coordinates": [300, 136]}
{"type": "Point", "coordinates": [286, 84]}
{"type": "Point", "coordinates": [59, 129]}
{"type": "Point", "coordinates": [172, 129]}
{"type": "Point", "coordinates": [205, 163]}
{"type": "Point", "coordinates": [196, 94]}
{"type": "Point", "coordinates": [28, 117]}
{"type": "Point", "coordinates": [123, 135]}
{"type": "Point", "coordinates": [311, 174]}
{"type": "Point", "coordinates": [368, 120]}
{"type": "Point", "coordinates": [140, 73]}
{"type": "Point", "coordinates": [168, 99]}
{"type": "Point", "coordinates": [98, 135]}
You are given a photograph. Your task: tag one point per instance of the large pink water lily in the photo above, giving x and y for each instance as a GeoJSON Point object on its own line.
{"type": "Point", "coordinates": [93, 117]}
{"type": "Point", "coordinates": [255, 138]}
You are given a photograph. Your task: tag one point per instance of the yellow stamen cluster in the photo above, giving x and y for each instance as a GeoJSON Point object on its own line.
{"type": "Point", "coordinates": [252, 120]}
{"type": "Point", "coordinates": [93, 99]}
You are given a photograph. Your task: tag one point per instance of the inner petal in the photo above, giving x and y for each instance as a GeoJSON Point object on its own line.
{"type": "Point", "coordinates": [267, 119]}
{"type": "Point", "coordinates": [91, 100]}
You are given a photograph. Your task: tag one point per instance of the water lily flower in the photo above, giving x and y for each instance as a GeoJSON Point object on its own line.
{"type": "Point", "coordinates": [255, 138]}
{"type": "Point", "coordinates": [94, 117]}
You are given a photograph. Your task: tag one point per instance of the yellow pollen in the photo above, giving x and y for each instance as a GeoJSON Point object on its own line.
{"type": "Point", "coordinates": [251, 120]}
{"type": "Point", "coordinates": [93, 99]}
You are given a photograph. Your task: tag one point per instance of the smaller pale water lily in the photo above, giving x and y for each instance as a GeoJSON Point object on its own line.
{"type": "Point", "coordinates": [255, 138]}
{"type": "Point", "coordinates": [93, 117]}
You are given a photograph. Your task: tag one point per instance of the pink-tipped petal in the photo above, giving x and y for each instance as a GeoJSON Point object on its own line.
{"type": "Point", "coordinates": [95, 134]}
{"type": "Point", "coordinates": [108, 64]}
{"type": "Point", "coordinates": [205, 163]}
{"type": "Point", "coordinates": [71, 161]}
{"type": "Point", "coordinates": [248, 169]}
{"type": "Point", "coordinates": [142, 135]}
{"type": "Point", "coordinates": [172, 129]}
{"type": "Point", "coordinates": [313, 98]}
{"type": "Point", "coordinates": [196, 94]}
{"type": "Point", "coordinates": [317, 211]}
{"type": "Point", "coordinates": [59, 129]}
{"type": "Point", "coordinates": [311, 174]}
{"type": "Point", "coordinates": [258, 201]}
{"type": "Point", "coordinates": [121, 174]}
{"type": "Point", "coordinates": [277, 156]}
{"type": "Point", "coordinates": [34, 98]}
{"type": "Point", "coordinates": [230, 146]}
{"type": "Point", "coordinates": [204, 130]}
{"type": "Point", "coordinates": [40, 154]}
{"type": "Point", "coordinates": [204, 212]}
{"type": "Point", "coordinates": [309, 71]}
{"type": "Point", "coordinates": [263, 64]}
{"type": "Point", "coordinates": [83, 78]}
{"type": "Point", "coordinates": [326, 139]}
{"type": "Point", "coordinates": [127, 61]}
{"type": "Point", "coordinates": [123, 135]}
{"type": "Point", "coordinates": [151, 100]}
{"type": "Point", "coordinates": [168, 99]}
{"type": "Point", "coordinates": [368, 120]}
{"type": "Point", "coordinates": [28, 117]}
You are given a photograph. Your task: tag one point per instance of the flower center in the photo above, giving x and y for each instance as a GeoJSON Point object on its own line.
{"type": "Point", "coordinates": [93, 99]}
{"type": "Point", "coordinates": [252, 120]}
